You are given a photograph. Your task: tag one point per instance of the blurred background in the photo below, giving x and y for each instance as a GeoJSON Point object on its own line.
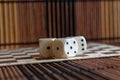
{"type": "Point", "coordinates": [22, 22]}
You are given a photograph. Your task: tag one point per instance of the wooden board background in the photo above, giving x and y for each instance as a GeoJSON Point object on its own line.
{"type": "Point", "coordinates": [24, 22]}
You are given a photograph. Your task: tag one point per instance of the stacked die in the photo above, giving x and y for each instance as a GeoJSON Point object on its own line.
{"type": "Point", "coordinates": [62, 47]}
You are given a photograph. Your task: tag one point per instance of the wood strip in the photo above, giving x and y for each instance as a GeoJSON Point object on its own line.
{"type": "Point", "coordinates": [16, 22]}
{"type": "Point", "coordinates": [79, 18]}
{"type": "Point", "coordinates": [85, 19]}
{"type": "Point", "coordinates": [66, 18]}
{"type": "Point", "coordinates": [115, 5]}
{"type": "Point", "coordinates": [5, 72]}
{"type": "Point", "coordinates": [2, 77]}
{"type": "Point", "coordinates": [103, 65]}
{"type": "Point", "coordinates": [28, 71]}
{"type": "Point", "coordinates": [53, 18]}
{"type": "Point", "coordinates": [11, 74]}
{"type": "Point", "coordinates": [25, 23]}
{"type": "Point", "coordinates": [55, 70]}
{"type": "Point", "coordinates": [89, 74]}
{"type": "Point", "coordinates": [24, 72]}
{"type": "Point", "coordinates": [31, 22]}
{"type": "Point", "coordinates": [7, 27]}
{"type": "Point", "coordinates": [29, 6]}
{"type": "Point", "coordinates": [38, 22]}
{"type": "Point", "coordinates": [61, 69]}
{"type": "Point", "coordinates": [73, 18]}
{"type": "Point", "coordinates": [41, 72]}
{"type": "Point", "coordinates": [21, 34]}
{"type": "Point", "coordinates": [1, 26]}
{"type": "Point", "coordinates": [98, 11]}
{"type": "Point", "coordinates": [118, 20]}
{"type": "Point", "coordinates": [71, 6]}
{"type": "Point", "coordinates": [14, 72]}
{"type": "Point", "coordinates": [58, 18]}
{"type": "Point", "coordinates": [35, 72]}
{"type": "Point", "coordinates": [49, 19]}
{"type": "Point", "coordinates": [12, 34]}
{"type": "Point", "coordinates": [57, 75]}
{"type": "Point", "coordinates": [43, 20]}
{"type": "Point", "coordinates": [35, 17]}
{"type": "Point", "coordinates": [92, 21]}
{"type": "Point", "coordinates": [111, 20]}
{"type": "Point", "coordinates": [82, 75]}
{"type": "Point", "coordinates": [17, 70]}
{"type": "Point", "coordinates": [103, 19]}
{"type": "Point", "coordinates": [63, 19]}
{"type": "Point", "coordinates": [107, 19]}
{"type": "Point", "coordinates": [89, 11]}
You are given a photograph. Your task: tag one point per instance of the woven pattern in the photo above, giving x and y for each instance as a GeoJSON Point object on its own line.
{"type": "Point", "coordinates": [31, 55]}
{"type": "Point", "coordinates": [24, 64]}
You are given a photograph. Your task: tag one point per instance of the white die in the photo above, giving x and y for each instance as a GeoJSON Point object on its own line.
{"type": "Point", "coordinates": [65, 47]}
{"type": "Point", "coordinates": [81, 43]}
{"type": "Point", "coordinates": [45, 46]}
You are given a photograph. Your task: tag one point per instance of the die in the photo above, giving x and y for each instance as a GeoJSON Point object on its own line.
{"type": "Point", "coordinates": [65, 47]}
{"type": "Point", "coordinates": [45, 47]}
{"type": "Point", "coordinates": [82, 44]}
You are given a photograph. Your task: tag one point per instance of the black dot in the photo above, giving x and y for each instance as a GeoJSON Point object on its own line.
{"type": "Point", "coordinates": [82, 44]}
{"type": "Point", "coordinates": [83, 49]}
{"type": "Point", "coordinates": [57, 48]}
{"type": "Point", "coordinates": [48, 47]}
{"type": "Point", "coordinates": [74, 51]}
{"type": "Point", "coordinates": [67, 52]}
{"type": "Point", "coordinates": [74, 42]}
{"type": "Point", "coordinates": [82, 40]}
{"type": "Point", "coordinates": [66, 42]}
{"type": "Point", "coordinates": [71, 47]}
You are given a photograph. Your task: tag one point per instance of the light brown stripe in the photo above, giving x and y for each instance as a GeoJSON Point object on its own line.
{"type": "Point", "coordinates": [1, 25]}
{"type": "Point", "coordinates": [119, 20]}
{"type": "Point", "coordinates": [111, 32]}
{"type": "Point", "coordinates": [103, 19]}
{"type": "Point", "coordinates": [115, 20]}
{"type": "Point", "coordinates": [16, 23]}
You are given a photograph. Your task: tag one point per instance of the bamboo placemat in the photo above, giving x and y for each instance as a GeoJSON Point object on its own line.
{"type": "Point", "coordinates": [24, 63]}
{"type": "Point", "coordinates": [31, 55]}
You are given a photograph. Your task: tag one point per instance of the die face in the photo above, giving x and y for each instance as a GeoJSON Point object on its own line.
{"type": "Point", "coordinates": [71, 47]}
{"type": "Point", "coordinates": [58, 49]}
{"type": "Point", "coordinates": [45, 49]}
{"type": "Point", "coordinates": [82, 43]}
{"type": "Point", "coordinates": [65, 48]}
{"type": "Point", "coordinates": [45, 46]}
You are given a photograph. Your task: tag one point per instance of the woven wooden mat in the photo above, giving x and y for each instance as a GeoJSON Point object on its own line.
{"type": "Point", "coordinates": [24, 64]}
{"type": "Point", "coordinates": [31, 55]}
